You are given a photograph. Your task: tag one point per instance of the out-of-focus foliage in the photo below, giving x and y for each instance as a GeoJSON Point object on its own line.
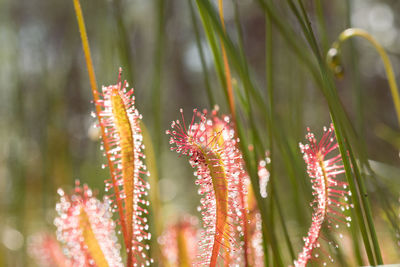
{"type": "Point", "coordinates": [46, 131]}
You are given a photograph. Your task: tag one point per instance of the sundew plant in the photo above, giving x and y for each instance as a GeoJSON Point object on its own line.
{"type": "Point", "coordinates": [225, 133]}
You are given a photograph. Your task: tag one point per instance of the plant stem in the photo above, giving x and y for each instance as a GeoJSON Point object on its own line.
{"type": "Point", "coordinates": [322, 24]}
{"type": "Point", "coordinates": [270, 91]}
{"type": "Point", "coordinates": [93, 84]}
{"type": "Point", "coordinates": [367, 210]}
{"type": "Point", "coordinates": [86, 50]}
{"type": "Point", "coordinates": [356, 81]}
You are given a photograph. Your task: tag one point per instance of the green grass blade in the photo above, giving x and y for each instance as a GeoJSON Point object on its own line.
{"type": "Point", "coordinates": [212, 41]}
{"type": "Point", "coordinates": [270, 93]}
{"type": "Point", "coordinates": [210, 96]}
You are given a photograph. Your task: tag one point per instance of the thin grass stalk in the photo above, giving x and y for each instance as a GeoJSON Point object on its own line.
{"type": "Point", "coordinates": [213, 21]}
{"type": "Point", "coordinates": [295, 44]}
{"type": "Point", "coordinates": [357, 193]}
{"type": "Point", "coordinates": [256, 138]}
{"type": "Point", "coordinates": [269, 87]}
{"type": "Point", "coordinates": [268, 235]}
{"type": "Point", "coordinates": [368, 212]}
{"type": "Point", "coordinates": [270, 92]}
{"type": "Point", "coordinates": [355, 234]}
{"type": "Point", "coordinates": [239, 96]}
{"type": "Point", "coordinates": [353, 189]}
{"type": "Point", "coordinates": [308, 31]}
{"type": "Point", "coordinates": [356, 82]}
{"type": "Point", "coordinates": [303, 24]}
{"type": "Point", "coordinates": [322, 25]}
{"type": "Point", "coordinates": [210, 96]}
{"type": "Point", "coordinates": [307, 21]}
{"type": "Point", "coordinates": [86, 50]}
{"type": "Point", "coordinates": [214, 47]}
{"type": "Point", "coordinates": [93, 84]}
{"type": "Point", "coordinates": [258, 147]}
{"type": "Point", "coordinates": [206, 8]}
{"type": "Point", "coordinates": [210, 20]}
{"type": "Point", "coordinates": [358, 96]}
{"type": "Point", "coordinates": [270, 122]}
{"type": "Point", "coordinates": [283, 222]}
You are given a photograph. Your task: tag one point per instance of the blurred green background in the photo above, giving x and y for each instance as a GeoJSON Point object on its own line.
{"type": "Point", "coordinates": [45, 97]}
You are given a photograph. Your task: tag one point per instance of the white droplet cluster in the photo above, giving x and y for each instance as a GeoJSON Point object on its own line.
{"type": "Point", "coordinates": [263, 175]}
{"type": "Point", "coordinates": [70, 228]}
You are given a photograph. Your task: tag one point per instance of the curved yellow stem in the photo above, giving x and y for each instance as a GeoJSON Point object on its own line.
{"type": "Point", "coordinates": [351, 32]}
{"type": "Point", "coordinates": [86, 50]}
{"type": "Point", "coordinates": [95, 92]}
